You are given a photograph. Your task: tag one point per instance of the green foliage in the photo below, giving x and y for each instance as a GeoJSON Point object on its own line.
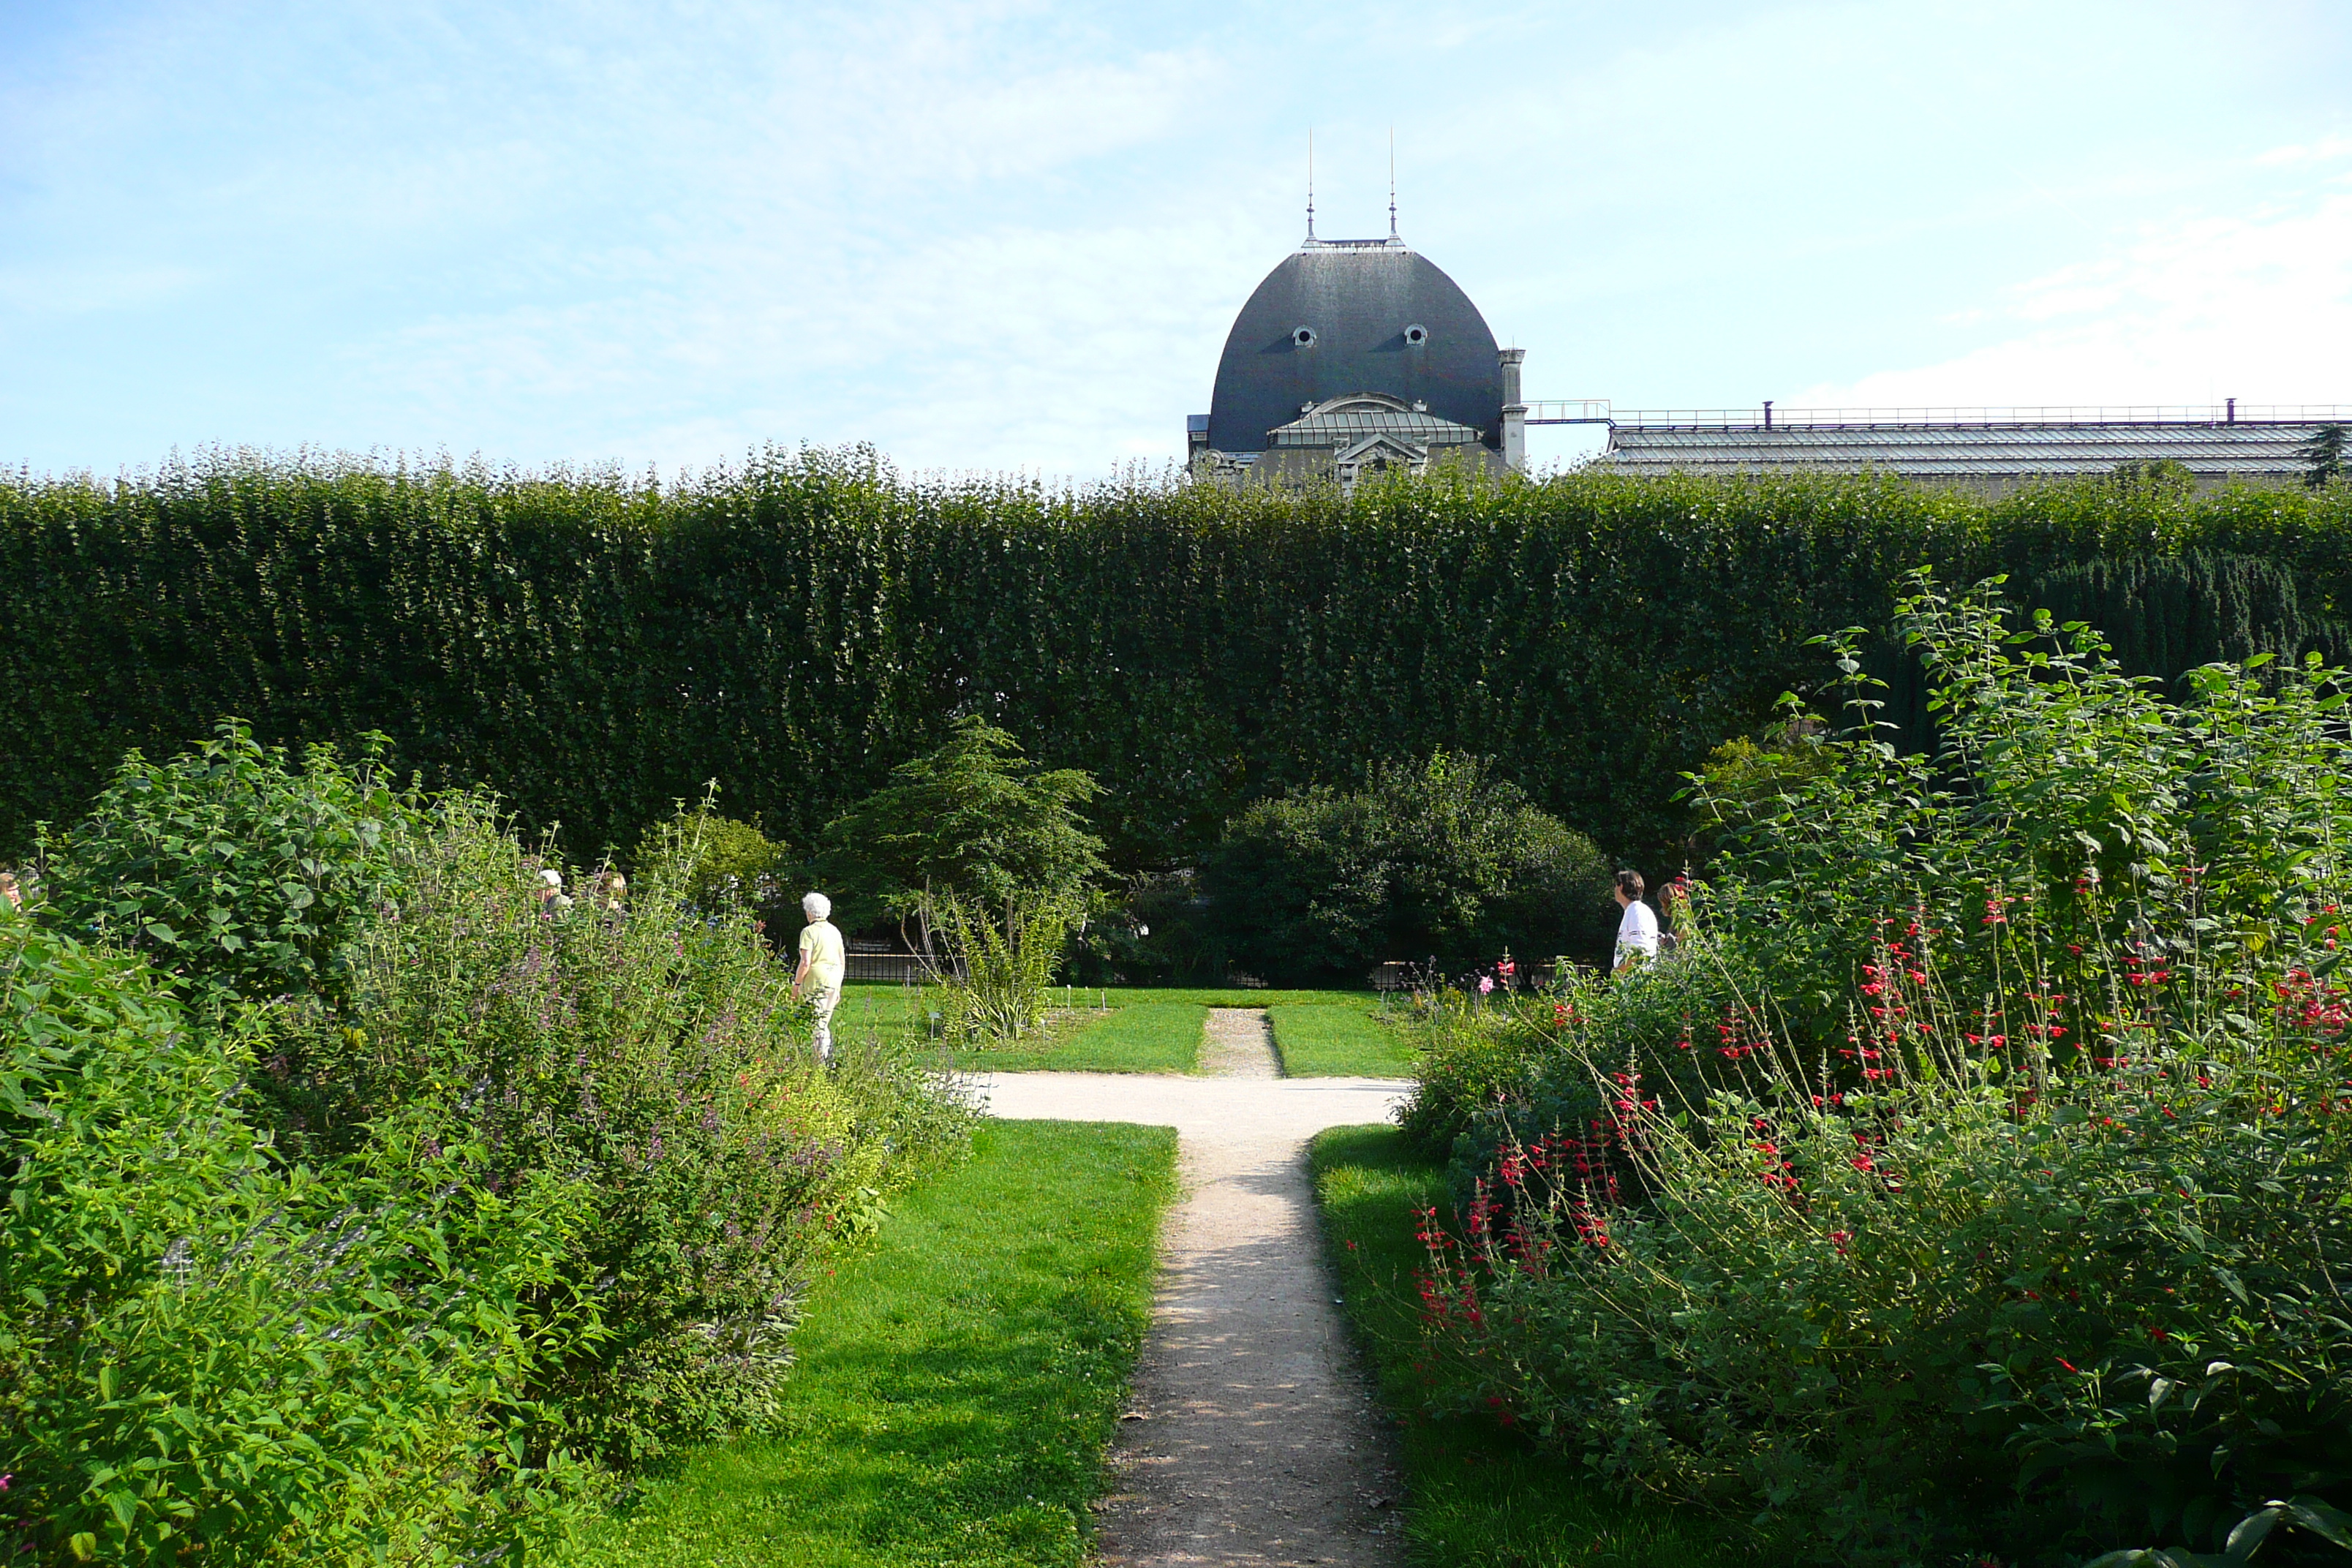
{"type": "Point", "coordinates": [969, 820]}
{"type": "Point", "coordinates": [715, 863]}
{"type": "Point", "coordinates": [989, 975]}
{"type": "Point", "coordinates": [2323, 456]}
{"type": "Point", "coordinates": [203, 1352]}
{"type": "Point", "coordinates": [654, 1054]}
{"type": "Point", "coordinates": [2167, 615]}
{"type": "Point", "coordinates": [594, 650]}
{"type": "Point", "coordinates": [959, 1383]}
{"type": "Point", "coordinates": [1970, 1180]}
{"type": "Point", "coordinates": [490, 1188]}
{"type": "Point", "coordinates": [2169, 473]}
{"type": "Point", "coordinates": [1743, 779]}
{"type": "Point", "coordinates": [1438, 860]}
{"type": "Point", "coordinates": [228, 867]}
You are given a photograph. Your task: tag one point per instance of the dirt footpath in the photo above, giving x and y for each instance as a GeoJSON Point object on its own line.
{"type": "Point", "coordinates": [1254, 1439]}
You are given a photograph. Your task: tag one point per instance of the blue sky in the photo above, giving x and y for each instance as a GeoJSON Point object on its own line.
{"type": "Point", "coordinates": [1011, 237]}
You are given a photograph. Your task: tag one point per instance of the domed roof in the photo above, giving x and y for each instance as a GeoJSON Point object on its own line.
{"type": "Point", "coordinates": [1349, 317]}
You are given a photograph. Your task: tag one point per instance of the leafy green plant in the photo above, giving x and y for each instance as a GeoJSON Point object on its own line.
{"type": "Point", "coordinates": [990, 974]}
{"type": "Point", "coordinates": [653, 1053]}
{"type": "Point", "coordinates": [969, 820]}
{"type": "Point", "coordinates": [725, 864]}
{"type": "Point", "coordinates": [1992, 1197]}
{"type": "Point", "coordinates": [1438, 859]}
{"type": "Point", "coordinates": [206, 1353]}
{"type": "Point", "coordinates": [229, 866]}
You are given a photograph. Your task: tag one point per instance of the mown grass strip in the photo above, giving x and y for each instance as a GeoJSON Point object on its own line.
{"type": "Point", "coordinates": [1480, 1497]}
{"type": "Point", "coordinates": [880, 1000]}
{"type": "Point", "coordinates": [958, 1381]}
{"type": "Point", "coordinates": [1321, 1039]}
{"type": "Point", "coordinates": [1149, 1037]}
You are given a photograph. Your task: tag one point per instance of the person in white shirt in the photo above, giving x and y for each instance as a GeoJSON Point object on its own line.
{"type": "Point", "coordinates": [1637, 932]}
{"type": "Point", "coordinates": [824, 961]}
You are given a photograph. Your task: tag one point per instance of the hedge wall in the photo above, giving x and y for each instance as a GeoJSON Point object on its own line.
{"type": "Point", "coordinates": [595, 649]}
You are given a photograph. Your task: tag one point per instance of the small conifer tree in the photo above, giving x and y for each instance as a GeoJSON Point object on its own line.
{"type": "Point", "coordinates": [2323, 454]}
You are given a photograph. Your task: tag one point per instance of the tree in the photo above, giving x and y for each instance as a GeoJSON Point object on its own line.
{"type": "Point", "coordinates": [2155, 473]}
{"type": "Point", "coordinates": [2323, 454]}
{"type": "Point", "coordinates": [971, 819]}
{"type": "Point", "coordinates": [1431, 860]}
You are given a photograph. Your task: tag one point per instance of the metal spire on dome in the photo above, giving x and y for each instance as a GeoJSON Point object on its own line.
{"type": "Point", "coordinates": [1311, 184]}
{"type": "Point", "coordinates": [1393, 228]}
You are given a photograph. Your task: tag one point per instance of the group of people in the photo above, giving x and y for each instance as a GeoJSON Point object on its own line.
{"type": "Point", "coordinates": [1637, 932]}
{"type": "Point", "coordinates": [825, 958]}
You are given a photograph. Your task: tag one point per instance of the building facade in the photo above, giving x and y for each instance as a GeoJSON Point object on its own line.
{"type": "Point", "coordinates": [1985, 449]}
{"type": "Point", "coordinates": [1353, 357]}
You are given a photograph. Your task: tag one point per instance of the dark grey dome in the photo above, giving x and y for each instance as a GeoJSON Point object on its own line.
{"type": "Point", "coordinates": [1354, 317]}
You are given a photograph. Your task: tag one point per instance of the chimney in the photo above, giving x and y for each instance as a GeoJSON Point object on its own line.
{"type": "Point", "coordinates": [1515, 413]}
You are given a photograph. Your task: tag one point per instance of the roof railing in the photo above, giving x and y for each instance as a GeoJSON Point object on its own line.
{"type": "Point", "coordinates": [1597, 411]}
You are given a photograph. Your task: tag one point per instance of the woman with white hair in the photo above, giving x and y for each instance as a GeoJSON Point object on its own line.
{"type": "Point", "coordinates": [824, 961]}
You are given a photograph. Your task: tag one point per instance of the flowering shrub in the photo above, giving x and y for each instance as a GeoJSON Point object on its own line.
{"type": "Point", "coordinates": [203, 1352]}
{"type": "Point", "coordinates": [656, 1056]}
{"type": "Point", "coordinates": [1992, 1203]}
{"type": "Point", "coordinates": [497, 1184]}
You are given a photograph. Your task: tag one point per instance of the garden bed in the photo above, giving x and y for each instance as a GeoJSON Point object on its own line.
{"type": "Point", "coordinates": [1478, 1495]}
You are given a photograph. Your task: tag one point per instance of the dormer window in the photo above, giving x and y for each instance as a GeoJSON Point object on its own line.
{"type": "Point", "coordinates": [1416, 334]}
{"type": "Point", "coordinates": [1300, 337]}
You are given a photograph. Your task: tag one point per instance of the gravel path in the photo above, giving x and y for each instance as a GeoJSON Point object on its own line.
{"type": "Point", "coordinates": [1252, 1435]}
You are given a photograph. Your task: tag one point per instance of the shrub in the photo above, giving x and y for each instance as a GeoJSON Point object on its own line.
{"type": "Point", "coordinates": [653, 1053]}
{"type": "Point", "coordinates": [969, 820]}
{"type": "Point", "coordinates": [1992, 1199]}
{"type": "Point", "coordinates": [728, 864]}
{"type": "Point", "coordinates": [1435, 860]}
{"type": "Point", "coordinates": [992, 973]}
{"type": "Point", "coordinates": [797, 625]}
{"type": "Point", "coordinates": [228, 867]}
{"type": "Point", "coordinates": [206, 1353]}
{"type": "Point", "coordinates": [505, 1184]}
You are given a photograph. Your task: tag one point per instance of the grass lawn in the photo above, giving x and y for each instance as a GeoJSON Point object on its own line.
{"type": "Point", "coordinates": [1143, 1037]}
{"type": "Point", "coordinates": [1338, 1036]}
{"type": "Point", "coordinates": [1154, 1029]}
{"type": "Point", "coordinates": [1480, 1497]}
{"type": "Point", "coordinates": [958, 1380]}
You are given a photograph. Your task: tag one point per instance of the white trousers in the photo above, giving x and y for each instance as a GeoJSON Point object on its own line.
{"type": "Point", "coordinates": [827, 998]}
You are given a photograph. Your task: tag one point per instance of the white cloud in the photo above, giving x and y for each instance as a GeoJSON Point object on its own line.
{"type": "Point", "coordinates": [2326, 149]}
{"type": "Point", "coordinates": [2256, 307]}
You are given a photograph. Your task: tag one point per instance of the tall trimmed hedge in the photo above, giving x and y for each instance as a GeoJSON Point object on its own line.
{"type": "Point", "coordinates": [596, 648]}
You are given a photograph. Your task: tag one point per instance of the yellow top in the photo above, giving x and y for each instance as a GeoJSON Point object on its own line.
{"type": "Point", "coordinates": [821, 945]}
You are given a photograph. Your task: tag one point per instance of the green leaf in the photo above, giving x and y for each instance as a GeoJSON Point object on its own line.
{"type": "Point", "coordinates": [2321, 1518]}
{"type": "Point", "coordinates": [2249, 1532]}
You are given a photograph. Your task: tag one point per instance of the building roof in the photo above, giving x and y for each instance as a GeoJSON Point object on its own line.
{"type": "Point", "coordinates": [1926, 447]}
{"type": "Point", "coordinates": [1344, 420]}
{"type": "Point", "coordinates": [1345, 317]}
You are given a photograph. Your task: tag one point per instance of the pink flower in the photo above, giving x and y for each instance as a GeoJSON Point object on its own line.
{"type": "Point", "coordinates": [1486, 983]}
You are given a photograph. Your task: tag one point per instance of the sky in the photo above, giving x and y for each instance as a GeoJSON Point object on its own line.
{"type": "Point", "coordinates": [1011, 237]}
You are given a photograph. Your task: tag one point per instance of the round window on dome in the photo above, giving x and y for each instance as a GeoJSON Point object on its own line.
{"type": "Point", "coordinates": [1416, 334]}
{"type": "Point", "coordinates": [1304, 337]}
